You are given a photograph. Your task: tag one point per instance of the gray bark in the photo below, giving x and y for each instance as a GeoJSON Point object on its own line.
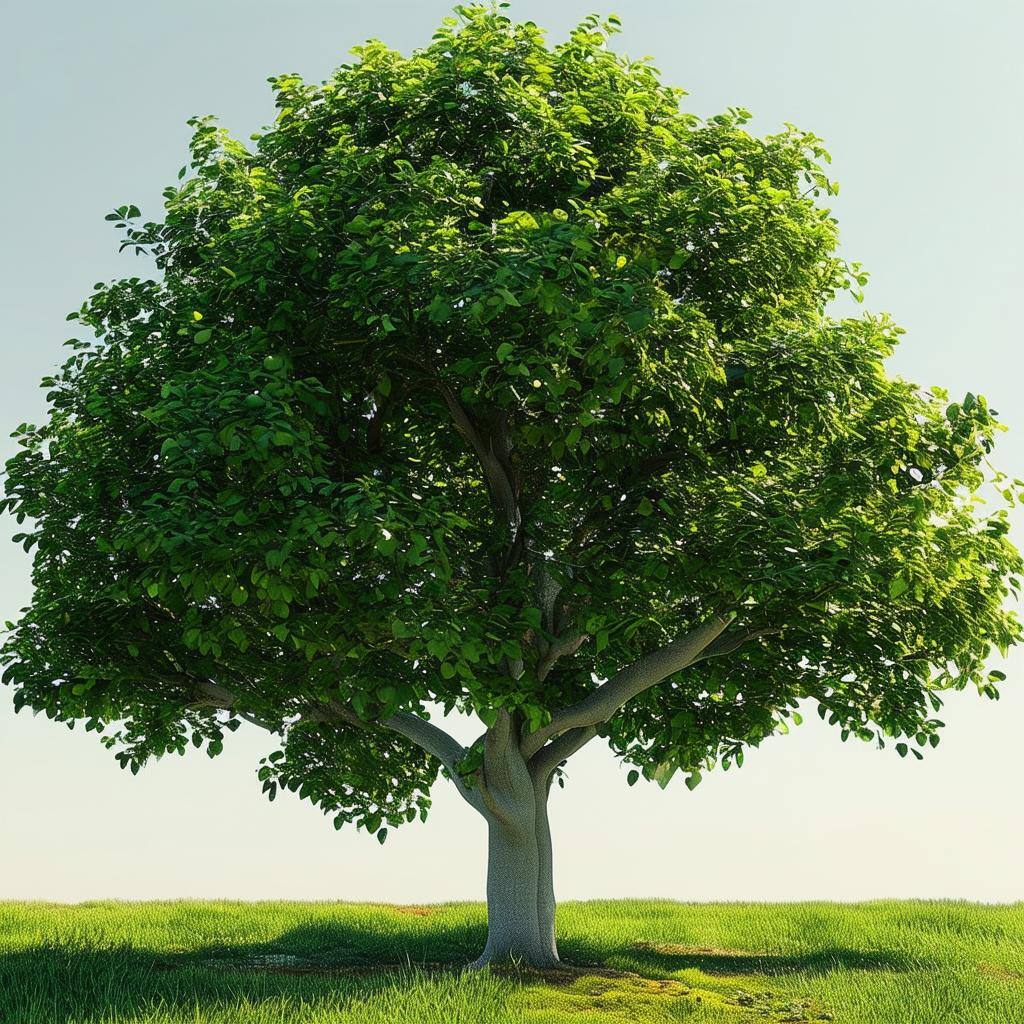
{"type": "Point", "coordinates": [601, 704]}
{"type": "Point", "coordinates": [520, 887]}
{"type": "Point", "coordinates": [545, 876]}
{"type": "Point", "coordinates": [515, 907]}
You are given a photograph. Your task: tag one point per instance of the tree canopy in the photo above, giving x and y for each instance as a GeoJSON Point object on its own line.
{"type": "Point", "coordinates": [489, 378]}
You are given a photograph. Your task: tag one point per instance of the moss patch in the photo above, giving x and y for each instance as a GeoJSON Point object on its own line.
{"type": "Point", "coordinates": [617, 999]}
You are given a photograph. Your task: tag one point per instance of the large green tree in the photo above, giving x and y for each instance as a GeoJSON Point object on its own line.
{"type": "Point", "coordinates": [487, 379]}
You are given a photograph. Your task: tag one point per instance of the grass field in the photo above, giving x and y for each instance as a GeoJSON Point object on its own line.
{"type": "Point", "coordinates": [629, 961]}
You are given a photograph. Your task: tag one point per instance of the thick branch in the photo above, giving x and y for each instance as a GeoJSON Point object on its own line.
{"type": "Point", "coordinates": [548, 758]}
{"type": "Point", "coordinates": [558, 750]}
{"type": "Point", "coordinates": [558, 648]}
{"type": "Point", "coordinates": [504, 772]}
{"type": "Point", "coordinates": [600, 704]}
{"type": "Point", "coordinates": [220, 697]}
{"type": "Point", "coordinates": [441, 745]}
{"type": "Point", "coordinates": [424, 734]}
{"type": "Point", "coordinates": [733, 640]}
{"type": "Point", "coordinates": [494, 462]}
{"type": "Point", "coordinates": [224, 699]}
{"type": "Point", "coordinates": [504, 785]}
{"type": "Point", "coordinates": [428, 736]}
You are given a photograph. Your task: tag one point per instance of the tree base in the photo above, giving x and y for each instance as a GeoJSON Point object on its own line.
{"type": "Point", "coordinates": [513, 962]}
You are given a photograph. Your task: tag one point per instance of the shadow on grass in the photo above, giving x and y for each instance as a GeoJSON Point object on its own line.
{"type": "Point", "coordinates": [323, 961]}
{"type": "Point", "coordinates": [325, 945]}
{"type": "Point", "coordinates": [647, 958]}
{"type": "Point", "coordinates": [326, 961]}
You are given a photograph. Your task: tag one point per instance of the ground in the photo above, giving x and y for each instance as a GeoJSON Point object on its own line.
{"type": "Point", "coordinates": [641, 962]}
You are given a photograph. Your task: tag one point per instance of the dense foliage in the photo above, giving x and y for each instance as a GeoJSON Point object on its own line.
{"type": "Point", "coordinates": [479, 375]}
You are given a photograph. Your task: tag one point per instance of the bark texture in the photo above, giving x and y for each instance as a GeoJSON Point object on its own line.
{"type": "Point", "coordinates": [520, 916]}
{"type": "Point", "coordinates": [545, 876]}
{"type": "Point", "coordinates": [520, 887]}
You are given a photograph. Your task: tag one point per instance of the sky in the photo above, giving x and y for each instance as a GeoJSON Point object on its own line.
{"type": "Point", "coordinates": [920, 108]}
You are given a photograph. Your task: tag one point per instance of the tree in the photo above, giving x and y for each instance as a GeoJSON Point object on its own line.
{"type": "Point", "coordinates": [488, 379]}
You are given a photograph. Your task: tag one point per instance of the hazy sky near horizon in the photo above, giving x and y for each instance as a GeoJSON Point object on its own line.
{"type": "Point", "coordinates": [920, 106]}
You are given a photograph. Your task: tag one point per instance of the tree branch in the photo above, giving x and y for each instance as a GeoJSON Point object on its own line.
{"type": "Point", "coordinates": [494, 461]}
{"type": "Point", "coordinates": [439, 744]}
{"type": "Point", "coordinates": [424, 734]}
{"type": "Point", "coordinates": [560, 647]}
{"type": "Point", "coordinates": [558, 750]}
{"type": "Point", "coordinates": [225, 700]}
{"type": "Point", "coordinates": [732, 640]}
{"type": "Point", "coordinates": [506, 785]}
{"type": "Point", "coordinates": [599, 705]}
{"type": "Point", "coordinates": [549, 757]}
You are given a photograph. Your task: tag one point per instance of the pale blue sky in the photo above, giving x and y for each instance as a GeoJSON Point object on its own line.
{"type": "Point", "coordinates": [920, 105]}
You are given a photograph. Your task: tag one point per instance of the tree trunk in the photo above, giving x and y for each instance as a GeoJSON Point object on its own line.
{"type": "Point", "coordinates": [520, 891]}
{"type": "Point", "coordinates": [545, 877]}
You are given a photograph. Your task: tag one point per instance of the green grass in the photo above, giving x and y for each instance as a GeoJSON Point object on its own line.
{"type": "Point", "coordinates": [634, 961]}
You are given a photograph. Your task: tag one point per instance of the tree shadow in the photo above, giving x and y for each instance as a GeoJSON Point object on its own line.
{"type": "Point", "coordinates": [340, 963]}
{"type": "Point", "coordinates": [667, 959]}
{"type": "Point", "coordinates": [320, 945]}
{"type": "Point", "coordinates": [332, 961]}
